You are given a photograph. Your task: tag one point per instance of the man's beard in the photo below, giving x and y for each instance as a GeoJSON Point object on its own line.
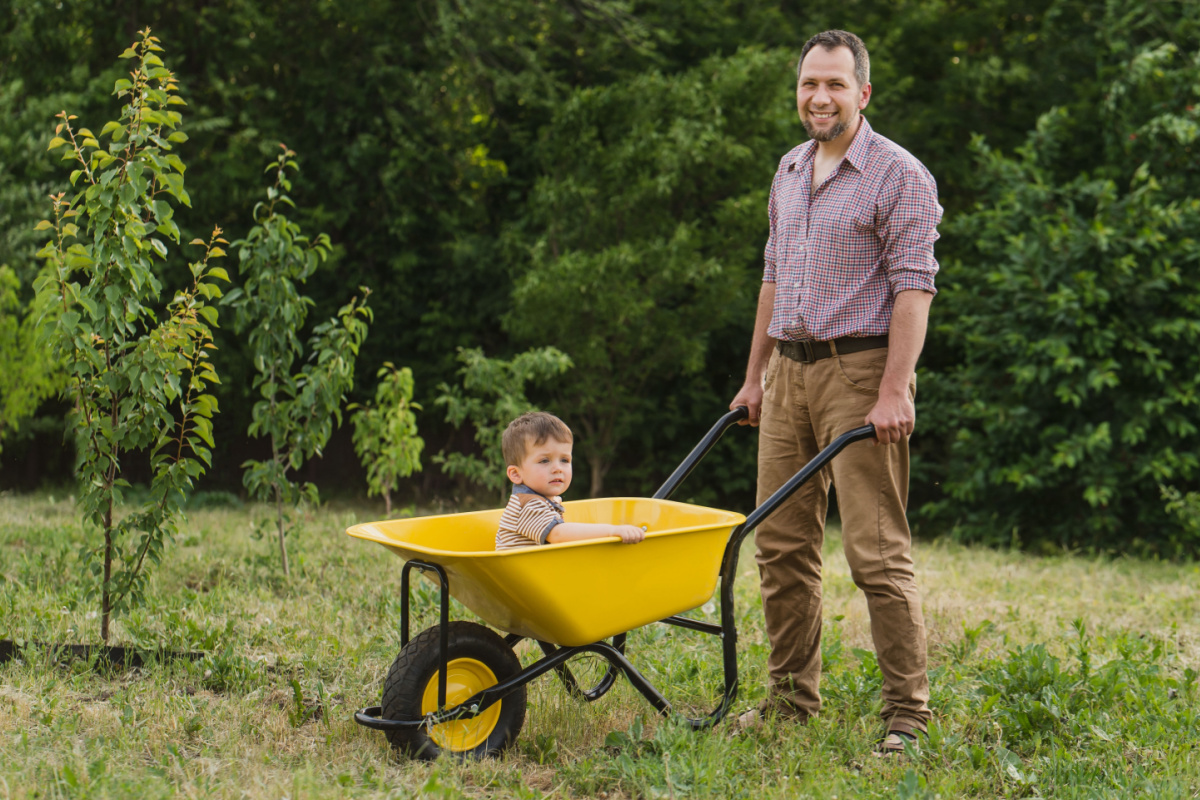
{"type": "Point", "coordinates": [826, 135]}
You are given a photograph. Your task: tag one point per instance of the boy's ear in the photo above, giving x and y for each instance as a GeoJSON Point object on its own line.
{"type": "Point", "coordinates": [514, 474]}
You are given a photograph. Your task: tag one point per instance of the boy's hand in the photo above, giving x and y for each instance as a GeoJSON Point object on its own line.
{"type": "Point", "coordinates": [630, 534]}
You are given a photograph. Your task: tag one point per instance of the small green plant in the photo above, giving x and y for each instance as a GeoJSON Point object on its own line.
{"type": "Point", "coordinates": [227, 670]}
{"type": "Point", "coordinates": [856, 687]}
{"type": "Point", "coordinates": [961, 650]}
{"type": "Point", "coordinates": [138, 383]}
{"type": "Point", "coordinates": [385, 435]}
{"type": "Point", "coordinates": [492, 394]}
{"type": "Point", "coordinates": [302, 709]}
{"type": "Point", "coordinates": [913, 787]}
{"type": "Point", "coordinates": [298, 409]}
{"type": "Point", "coordinates": [542, 748]}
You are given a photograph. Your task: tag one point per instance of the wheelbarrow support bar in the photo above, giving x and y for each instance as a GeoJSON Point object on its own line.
{"type": "Point", "coordinates": [568, 678]}
{"type": "Point", "coordinates": [481, 701]}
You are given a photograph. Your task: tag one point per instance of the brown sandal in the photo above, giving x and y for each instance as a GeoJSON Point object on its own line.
{"type": "Point", "coordinates": [900, 736]}
{"type": "Point", "coordinates": [771, 707]}
{"type": "Point", "coordinates": [895, 743]}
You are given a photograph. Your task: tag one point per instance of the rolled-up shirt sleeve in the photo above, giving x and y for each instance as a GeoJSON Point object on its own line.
{"type": "Point", "coordinates": [909, 214]}
{"type": "Point", "coordinates": [536, 521]}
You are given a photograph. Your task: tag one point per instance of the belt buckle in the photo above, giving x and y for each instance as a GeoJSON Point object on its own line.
{"type": "Point", "coordinates": [809, 355]}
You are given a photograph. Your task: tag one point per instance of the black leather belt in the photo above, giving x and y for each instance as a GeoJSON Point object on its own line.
{"type": "Point", "coordinates": [809, 351]}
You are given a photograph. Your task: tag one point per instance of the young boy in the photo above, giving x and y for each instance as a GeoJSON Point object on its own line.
{"type": "Point", "coordinates": [537, 449]}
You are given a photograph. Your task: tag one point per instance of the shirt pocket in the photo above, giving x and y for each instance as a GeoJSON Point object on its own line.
{"type": "Point", "coordinates": [856, 232]}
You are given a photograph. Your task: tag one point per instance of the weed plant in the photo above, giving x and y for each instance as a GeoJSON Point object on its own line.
{"type": "Point", "coordinates": [1052, 677]}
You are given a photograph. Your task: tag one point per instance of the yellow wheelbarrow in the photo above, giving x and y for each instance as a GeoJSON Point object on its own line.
{"type": "Point", "coordinates": [459, 687]}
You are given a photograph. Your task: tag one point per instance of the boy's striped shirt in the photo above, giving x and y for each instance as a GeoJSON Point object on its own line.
{"type": "Point", "coordinates": [528, 519]}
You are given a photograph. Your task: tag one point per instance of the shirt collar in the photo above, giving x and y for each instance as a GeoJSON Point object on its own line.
{"type": "Point", "coordinates": [856, 155]}
{"type": "Point", "coordinates": [520, 488]}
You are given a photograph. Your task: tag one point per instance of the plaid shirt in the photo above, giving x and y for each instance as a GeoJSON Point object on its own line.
{"type": "Point", "coordinates": [839, 257]}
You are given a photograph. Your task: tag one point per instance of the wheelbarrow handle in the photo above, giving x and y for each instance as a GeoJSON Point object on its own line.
{"type": "Point", "coordinates": [699, 451]}
{"type": "Point", "coordinates": [796, 481]}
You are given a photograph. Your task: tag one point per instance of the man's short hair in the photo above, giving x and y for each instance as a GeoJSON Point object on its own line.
{"type": "Point", "coordinates": [831, 40]}
{"type": "Point", "coordinates": [529, 430]}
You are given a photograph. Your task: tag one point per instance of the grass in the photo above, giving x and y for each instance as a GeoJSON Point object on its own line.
{"type": "Point", "coordinates": [1054, 677]}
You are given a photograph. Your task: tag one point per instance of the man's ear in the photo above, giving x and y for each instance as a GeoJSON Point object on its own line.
{"type": "Point", "coordinates": [514, 474]}
{"type": "Point", "coordinates": [864, 97]}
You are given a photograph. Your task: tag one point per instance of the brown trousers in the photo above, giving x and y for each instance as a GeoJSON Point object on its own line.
{"type": "Point", "coordinates": [805, 407]}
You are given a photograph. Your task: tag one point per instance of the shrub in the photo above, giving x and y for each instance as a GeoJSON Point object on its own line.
{"type": "Point", "coordinates": [1073, 318]}
{"type": "Point", "coordinates": [492, 395]}
{"type": "Point", "coordinates": [385, 435]}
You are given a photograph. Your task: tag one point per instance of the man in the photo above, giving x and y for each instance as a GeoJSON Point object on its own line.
{"type": "Point", "coordinates": [847, 284]}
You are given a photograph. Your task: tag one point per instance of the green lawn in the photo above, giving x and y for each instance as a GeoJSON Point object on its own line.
{"type": "Point", "coordinates": [1055, 677]}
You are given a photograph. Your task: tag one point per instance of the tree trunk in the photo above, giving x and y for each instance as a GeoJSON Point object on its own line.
{"type": "Point", "coordinates": [387, 503]}
{"type": "Point", "coordinates": [105, 596]}
{"type": "Point", "coordinates": [279, 528]}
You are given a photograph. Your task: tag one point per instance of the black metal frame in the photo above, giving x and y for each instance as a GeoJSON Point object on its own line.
{"type": "Point", "coordinates": [555, 657]}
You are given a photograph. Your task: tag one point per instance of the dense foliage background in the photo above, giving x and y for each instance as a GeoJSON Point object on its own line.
{"type": "Point", "coordinates": [592, 176]}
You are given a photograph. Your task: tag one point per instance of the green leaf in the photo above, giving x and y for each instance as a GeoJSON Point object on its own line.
{"type": "Point", "coordinates": [177, 136]}
{"type": "Point", "coordinates": [204, 430]}
{"type": "Point", "coordinates": [56, 142]}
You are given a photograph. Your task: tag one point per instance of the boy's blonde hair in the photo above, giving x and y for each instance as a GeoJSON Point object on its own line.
{"type": "Point", "coordinates": [529, 430]}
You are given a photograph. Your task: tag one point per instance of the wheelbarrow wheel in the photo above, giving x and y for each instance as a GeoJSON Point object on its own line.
{"type": "Point", "coordinates": [476, 659]}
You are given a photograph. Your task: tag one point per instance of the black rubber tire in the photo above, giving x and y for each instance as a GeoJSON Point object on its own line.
{"type": "Point", "coordinates": [417, 665]}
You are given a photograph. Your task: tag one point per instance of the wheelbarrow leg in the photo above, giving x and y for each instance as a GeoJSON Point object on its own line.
{"type": "Point", "coordinates": [443, 615]}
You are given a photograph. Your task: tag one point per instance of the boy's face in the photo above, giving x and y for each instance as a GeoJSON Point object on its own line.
{"type": "Point", "coordinates": [546, 468]}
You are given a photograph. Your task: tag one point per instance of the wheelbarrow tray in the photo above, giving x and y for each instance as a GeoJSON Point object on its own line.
{"type": "Point", "coordinates": [573, 593]}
